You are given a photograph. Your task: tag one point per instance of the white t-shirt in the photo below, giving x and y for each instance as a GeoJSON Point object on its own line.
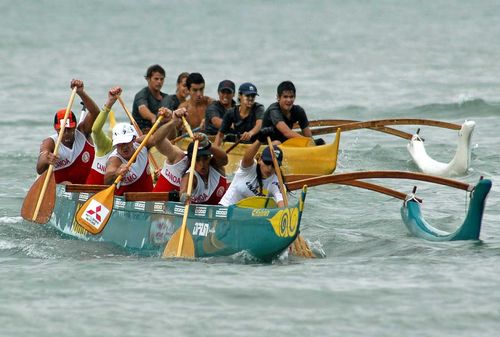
{"type": "Point", "coordinates": [245, 185]}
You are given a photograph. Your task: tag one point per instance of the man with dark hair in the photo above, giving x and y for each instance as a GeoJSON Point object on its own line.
{"type": "Point", "coordinates": [283, 114]}
{"type": "Point", "coordinates": [197, 103]}
{"type": "Point", "coordinates": [216, 110]}
{"type": "Point", "coordinates": [149, 99]}
{"type": "Point", "coordinates": [181, 93]}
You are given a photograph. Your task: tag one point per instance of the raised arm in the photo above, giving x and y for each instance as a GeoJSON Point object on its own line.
{"type": "Point", "coordinates": [102, 142]}
{"type": "Point", "coordinates": [85, 126]}
{"type": "Point", "coordinates": [161, 136]}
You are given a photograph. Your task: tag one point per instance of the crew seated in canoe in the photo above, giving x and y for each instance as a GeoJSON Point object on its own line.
{"type": "Point", "coordinates": [245, 119]}
{"type": "Point", "coordinates": [76, 151]}
{"type": "Point", "coordinates": [103, 144]}
{"type": "Point", "coordinates": [255, 177]}
{"type": "Point", "coordinates": [216, 110]}
{"type": "Point", "coordinates": [149, 99]}
{"type": "Point", "coordinates": [209, 181]}
{"type": "Point", "coordinates": [137, 177]}
{"type": "Point", "coordinates": [284, 113]}
{"type": "Point", "coordinates": [176, 160]}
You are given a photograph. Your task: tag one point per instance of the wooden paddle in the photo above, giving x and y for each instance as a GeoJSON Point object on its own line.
{"type": "Point", "coordinates": [44, 188]}
{"type": "Point", "coordinates": [180, 244]}
{"type": "Point", "coordinates": [299, 246]}
{"type": "Point", "coordinates": [152, 159]}
{"type": "Point", "coordinates": [233, 146]}
{"type": "Point", "coordinates": [96, 211]}
{"type": "Point", "coordinates": [185, 135]}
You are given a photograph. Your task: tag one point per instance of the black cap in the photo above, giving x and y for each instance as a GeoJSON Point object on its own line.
{"type": "Point", "coordinates": [202, 151]}
{"type": "Point", "coordinates": [266, 154]}
{"type": "Point", "coordinates": [227, 85]}
{"type": "Point", "coordinates": [248, 88]}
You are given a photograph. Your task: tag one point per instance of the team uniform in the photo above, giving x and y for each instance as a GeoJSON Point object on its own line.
{"type": "Point", "coordinates": [138, 179]}
{"type": "Point", "coordinates": [245, 184]}
{"type": "Point", "coordinates": [74, 163]}
{"type": "Point", "coordinates": [212, 192]}
{"type": "Point", "coordinates": [171, 176]}
{"type": "Point", "coordinates": [97, 170]}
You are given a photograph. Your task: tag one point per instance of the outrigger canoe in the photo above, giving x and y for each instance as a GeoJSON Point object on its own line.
{"type": "Point", "coordinates": [411, 210]}
{"type": "Point", "coordinates": [300, 155]}
{"type": "Point", "coordinates": [144, 222]}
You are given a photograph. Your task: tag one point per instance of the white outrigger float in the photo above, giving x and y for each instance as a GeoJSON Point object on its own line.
{"type": "Point", "coordinates": [460, 163]}
{"type": "Point", "coordinates": [458, 166]}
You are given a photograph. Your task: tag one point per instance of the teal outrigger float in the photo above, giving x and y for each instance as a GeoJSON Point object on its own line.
{"type": "Point", "coordinates": [411, 210]}
{"type": "Point", "coordinates": [140, 222]}
{"type": "Point", "coordinates": [470, 228]}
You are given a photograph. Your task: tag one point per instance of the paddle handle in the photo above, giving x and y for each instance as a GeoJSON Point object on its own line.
{"type": "Point", "coordinates": [188, 201]}
{"type": "Point", "coordinates": [176, 139]}
{"type": "Point", "coordinates": [50, 169]}
{"type": "Point", "coordinates": [138, 130]}
{"type": "Point", "coordinates": [143, 143]}
{"type": "Point", "coordinates": [277, 171]}
{"type": "Point", "coordinates": [129, 115]}
{"type": "Point", "coordinates": [233, 146]}
{"type": "Point", "coordinates": [187, 127]}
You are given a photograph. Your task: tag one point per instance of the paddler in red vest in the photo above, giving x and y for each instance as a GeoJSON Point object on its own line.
{"type": "Point", "coordinates": [176, 160]}
{"type": "Point", "coordinates": [103, 143]}
{"type": "Point", "coordinates": [76, 151]}
{"type": "Point", "coordinates": [137, 177]}
{"type": "Point", "coordinates": [209, 181]}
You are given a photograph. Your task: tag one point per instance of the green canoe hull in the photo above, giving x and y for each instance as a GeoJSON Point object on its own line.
{"type": "Point", "coordinates": [146, 226]}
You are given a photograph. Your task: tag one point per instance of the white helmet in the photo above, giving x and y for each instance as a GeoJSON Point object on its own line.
{"type": "Point", "coordinates": [123, 133]}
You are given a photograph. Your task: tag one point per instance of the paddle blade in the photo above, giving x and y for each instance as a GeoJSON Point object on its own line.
{"type": "Point", "coordinates": [96, 211]}
{"type": "Point", "coordinates": [47, 204]}
{"type": "Point", "coordinates": [301, 248]}
{"type": "Point", "coordinates": [172, 245]}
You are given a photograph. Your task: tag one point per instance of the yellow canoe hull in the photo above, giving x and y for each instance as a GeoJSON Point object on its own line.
{"type": "Point", "coordinates": [300, 156]}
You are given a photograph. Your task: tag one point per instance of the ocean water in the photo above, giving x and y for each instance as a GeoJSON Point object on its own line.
{"type": "Point", "coordinates": [348, 59]}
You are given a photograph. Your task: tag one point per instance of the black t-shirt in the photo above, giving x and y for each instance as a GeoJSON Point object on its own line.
{"type": "Point", "coordinates": [233, 123]}
{"type": "Point", "coordinates": [144, 97]}
{"type": "Point", "coordinates": [273, 116]}
{"type": "Point", "coordinates": [214, 109]}
{"type": "Point", "coordinates": [172, 102]}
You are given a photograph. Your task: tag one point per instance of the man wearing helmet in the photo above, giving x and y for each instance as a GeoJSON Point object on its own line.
{"type": "Point", "coordinates": [136, 177]}
{"type": "Point", "coordinates": [76, 151]}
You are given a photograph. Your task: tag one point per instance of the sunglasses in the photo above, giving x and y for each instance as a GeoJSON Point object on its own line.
{"type": "Point", "coordinates": [268, 163]}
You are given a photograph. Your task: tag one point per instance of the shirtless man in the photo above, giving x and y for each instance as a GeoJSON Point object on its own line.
{"type": "Point", "coordinates": [197, 103]}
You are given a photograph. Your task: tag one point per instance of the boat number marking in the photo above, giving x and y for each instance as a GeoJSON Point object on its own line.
{"type": "Point", "coordinates": [201, 229]}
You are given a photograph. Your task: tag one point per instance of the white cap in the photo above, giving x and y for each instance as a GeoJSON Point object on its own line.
{"type": "Point", "coordinates": [123, 133]}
